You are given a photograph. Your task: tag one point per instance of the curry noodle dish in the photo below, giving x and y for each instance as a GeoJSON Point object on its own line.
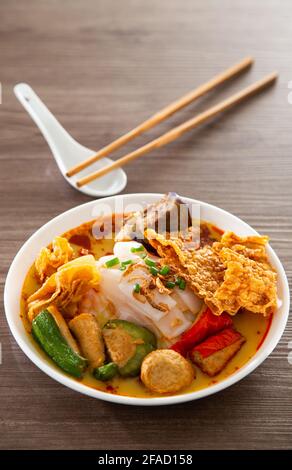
{"type": "Point", "coordinates": [150, 313]}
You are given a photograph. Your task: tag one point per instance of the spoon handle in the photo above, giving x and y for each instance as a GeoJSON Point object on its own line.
{"type": "Point", "coordinates": [58, 139]}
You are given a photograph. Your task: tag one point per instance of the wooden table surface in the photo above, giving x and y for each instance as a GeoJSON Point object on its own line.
{"type": "Point", "coordinates": [102, 67]}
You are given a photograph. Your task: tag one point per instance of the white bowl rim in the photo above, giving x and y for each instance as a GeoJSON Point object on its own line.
{"type": "Point", "coordinates": [71, 383]}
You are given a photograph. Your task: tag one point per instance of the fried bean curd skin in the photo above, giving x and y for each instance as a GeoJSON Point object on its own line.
{"type": "Point", "coordinates": [229, 277]}
{"type": "Point", "coordinates": [253, 247]}
{"type": "Point", "coordinates": [50, 259]}
{"type": "Point", "coordinates": [166, 371]}
{"type": "Point", "coordinates": [247, 284]}
{"type": "Point", "coordinates": [67, 285]}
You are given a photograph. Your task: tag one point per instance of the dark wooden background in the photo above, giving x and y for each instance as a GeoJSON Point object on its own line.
{"type": "Point", "coordinates": [102, 66]}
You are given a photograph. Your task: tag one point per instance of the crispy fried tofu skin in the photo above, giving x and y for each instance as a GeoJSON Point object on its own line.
{"type": "Point", "coordinates": [50, 259]}
{"type": "Point", "coordinates": [213, 354]}
{"type": "Point", "coordinates": [166, 371]}
{"type": "Point", "coordinates": [65, 286]}
{"type": "Point", "coordinates": [231, 274]}
{"type": "Point", "coordinates": [247, 284]}
{"type": "Point", "coordinates": [253, 247]}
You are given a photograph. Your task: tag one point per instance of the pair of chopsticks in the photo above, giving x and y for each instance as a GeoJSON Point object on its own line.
{"type": "Point", "coordinates": [178, 131]}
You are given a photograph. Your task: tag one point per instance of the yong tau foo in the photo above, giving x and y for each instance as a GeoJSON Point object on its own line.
{"type": "Point", "coordinates": [151, 312]}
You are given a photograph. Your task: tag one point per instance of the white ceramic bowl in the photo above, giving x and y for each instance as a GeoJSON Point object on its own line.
{"type": "Point", "coordinates": [89, 211]}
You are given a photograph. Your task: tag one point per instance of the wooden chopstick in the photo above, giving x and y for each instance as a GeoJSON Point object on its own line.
{"type": "Point", "coordinates": [183, 128]}
{"type": "Point", "coordinates": [164, 113]}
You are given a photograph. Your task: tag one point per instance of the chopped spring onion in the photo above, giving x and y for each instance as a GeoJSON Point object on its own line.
{"type": "Point", "coordinates": [137, 288]}
{"type": "Point", "coordinates": [137, 250]}
{"type": "Point", "coordinates": [124, 264]}
{"type": "Point", "coordinates": [164, 270]}
{"type": "Point", "coordinates": [143, 255]}
{"type": "Point", "coordinates": [182, 284]}
{"type": "Point", "coordinates": [154, 270]}
{"type": "Point", "coordinates": [128, 261]}
{"type": "Point", "coordinates": [170, 284]}
{"type": "Point", "coordinates": [112, 262]}
{"type": "Point", "coordinates": [149, 262]}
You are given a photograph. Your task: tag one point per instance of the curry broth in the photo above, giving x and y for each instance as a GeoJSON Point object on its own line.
{"type": "Point", "coordinates": [252, 326]}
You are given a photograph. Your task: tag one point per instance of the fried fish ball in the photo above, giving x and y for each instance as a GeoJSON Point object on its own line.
{"type": "Point", "coordinates": [166, 371]}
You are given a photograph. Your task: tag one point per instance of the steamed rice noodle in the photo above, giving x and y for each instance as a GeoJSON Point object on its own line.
{"type": "Point", "coordinates": [169, 313]}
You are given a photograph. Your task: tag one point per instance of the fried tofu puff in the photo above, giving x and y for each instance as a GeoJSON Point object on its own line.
{"type": "Point", "coordinates": [166, 371]}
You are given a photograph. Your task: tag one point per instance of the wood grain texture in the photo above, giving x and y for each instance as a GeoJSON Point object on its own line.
{"type": "Point", "coordinates": [165, 112]}
{"type": "Point", "coordinates": [102, 67]}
